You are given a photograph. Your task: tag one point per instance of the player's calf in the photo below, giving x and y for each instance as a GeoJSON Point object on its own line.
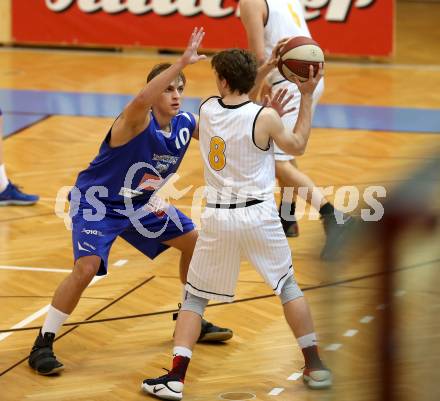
{"type": "Point", "coordinates": [209, 332]}
{"type": "Point", "coordinates": [315, 375]}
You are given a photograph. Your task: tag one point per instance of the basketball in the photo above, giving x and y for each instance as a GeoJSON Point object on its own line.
{"type": "Point", "coordinates": [297, 55]}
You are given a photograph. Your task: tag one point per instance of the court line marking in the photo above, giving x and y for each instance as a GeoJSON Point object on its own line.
{"type": "Point", "coordinates": [253, 396]}
{"type": "Point", "coordinates": [120, 262]}
{"type": "Point", "coordinates": [276, 391]}
{"type": "Point", "coordinates": [351, 333]}
{"type": "Point", "coordinates": [35, 269]}
{"type": "Point", "coordinates": [38, 313]}
{"type": "Point", "coordinates": [333, 347]}
{"type": "Point", "coordinates": [366, 319]}
{"type": "Point", "coordinates": [90, 317]}
{"type": "Point", "coordinates": [255, 298]}
{"type": "Point", "coordinates": [295, 376]}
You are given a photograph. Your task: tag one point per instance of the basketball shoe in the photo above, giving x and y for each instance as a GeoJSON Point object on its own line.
{"type": "Point", "coordinates": [317, 378]}
{"type": "Point", "coordinates": [12, 195]}
{"type": "Point", "coordinates": [167, 387]}
{"type": "Point", "coordinates": [210, 332]}
{"type": "Point", "coordinates": [336, 235]}
{"type": "Point", "coordinates": [42, 359]}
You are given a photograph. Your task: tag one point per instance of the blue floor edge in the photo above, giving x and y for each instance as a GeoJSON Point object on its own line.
{"type": "Point", "coordinates": [25, 103]}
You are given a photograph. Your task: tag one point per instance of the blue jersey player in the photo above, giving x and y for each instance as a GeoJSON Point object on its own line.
{"type": "Point", "coordinates": [115, 197]}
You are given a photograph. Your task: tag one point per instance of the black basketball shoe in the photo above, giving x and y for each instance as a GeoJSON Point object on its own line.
{"type": "Point", "coordinates": [213, 333]}
{"type": "Point", "coordinates": [336, 235]}
{"type": "Point", "coordinates": [42, 359]}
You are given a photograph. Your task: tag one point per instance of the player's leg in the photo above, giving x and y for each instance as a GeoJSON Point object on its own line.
{"type": "Point", "coordinates": [177, 231]}
{"type": "Point", "coordinates": [268, 250]}
{"type": "Point", "coordinates": [91, 244]}
{"type": "Point", "coordinates": [288, 200]}
{"type": "Point", "coordinates": [283, 164]}
{"type": "Point", "coordinates": [10, 194]}
{"type": "Point", "coordinates": [293, 178]}
{"type": "Point", "coordinates": [299, 318]}
{"type": "Point", "coordinates": [170, 386]}
{"type": "Point", "coordinates": [186, 243]}
{"type": "Point", "coordinates": [69, 292]}
{"type": "Point", "coordinates": [66, 297]}
{"type": "Point", "coordinates": [209, 277]}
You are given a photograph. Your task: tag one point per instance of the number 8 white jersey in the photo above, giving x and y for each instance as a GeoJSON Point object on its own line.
{"type": "Point", "coordinates": [236, 169]}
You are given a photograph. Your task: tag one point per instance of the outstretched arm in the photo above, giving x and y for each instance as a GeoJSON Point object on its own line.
{"type": "Point", "coordinates": [135, 116]}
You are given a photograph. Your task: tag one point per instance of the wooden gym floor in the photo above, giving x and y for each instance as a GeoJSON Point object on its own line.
{"type": "Point", "coordinates": [108, 360]}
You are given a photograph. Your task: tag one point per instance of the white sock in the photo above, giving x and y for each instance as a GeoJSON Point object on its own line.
{"type": "Point", "coordinates": [3, 178]}
{"type": "Point", "coordinates": [54, 320]}
{"type": "Point", "coordinates": [182, 351]}
{"type": "Point", "coordinates": [307, 341]}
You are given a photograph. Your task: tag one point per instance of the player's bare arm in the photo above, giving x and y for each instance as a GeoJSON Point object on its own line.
{"type": "Point", "coordinates": [195, 134]}
{"type": "Point", "coordinates": [135, 117]}
{"type": "Point", "coordinates": [253, 14]}
{"type": "Point", "coordinates": [271, 119]}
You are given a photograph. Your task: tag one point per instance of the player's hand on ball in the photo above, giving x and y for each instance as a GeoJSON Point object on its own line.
{"type": "Point", "coordinates": [275, 56]}
{"type": "Point", "coordinates": [190, 56]}
{"type": "Point", "coordinates": [308, 87]}
{"type": "Point", "coordinates": [279, 102]}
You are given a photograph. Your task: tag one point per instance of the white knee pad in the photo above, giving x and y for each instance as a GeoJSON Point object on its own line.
{"type": "Point", "coordinates": [194, 304]}
{"type": "Point", "coordinates": [290, 291]}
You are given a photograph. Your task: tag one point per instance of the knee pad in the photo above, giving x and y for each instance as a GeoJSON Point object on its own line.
{"type": "Point", "coordinates": [290, 291]}
{"type": "Point", "coordinates": [194, 304]}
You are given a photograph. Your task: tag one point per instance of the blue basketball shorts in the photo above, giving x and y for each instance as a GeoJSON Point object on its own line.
{"type": "Point", "coordinates": [146, 234]}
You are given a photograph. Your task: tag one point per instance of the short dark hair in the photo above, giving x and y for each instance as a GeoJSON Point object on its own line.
{"type": "Point", "coordinates": [159, 68]}
{"type": "Point", "coordinates": [238, 67]}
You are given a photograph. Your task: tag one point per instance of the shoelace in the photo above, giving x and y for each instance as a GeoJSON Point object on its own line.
{"type": "Point", "coordinates": [14, 186]}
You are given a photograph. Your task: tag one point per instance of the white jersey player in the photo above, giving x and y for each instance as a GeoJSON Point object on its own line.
{"type": "Point", "coordinates": [241, 219]}
{"type": "Point", "coordinates": [266, 23]}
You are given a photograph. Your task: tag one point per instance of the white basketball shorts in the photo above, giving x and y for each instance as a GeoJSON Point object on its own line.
{"type": "Point", "coordinates": [226, 236]}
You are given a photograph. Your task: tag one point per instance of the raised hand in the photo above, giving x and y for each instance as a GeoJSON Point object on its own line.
{"type": "Point", "coordinates": [279, 101]}
{"type": "Point", "coordinates": [308, 87]}
{"type": "Point", "coordinates": [190, 56]}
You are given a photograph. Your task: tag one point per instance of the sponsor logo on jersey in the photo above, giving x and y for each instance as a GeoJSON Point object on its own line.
{"type": "Point", "coordinates": [166, 159]}
{"type": "Point", "coordinates": [81, 247]}
{"type": "Point", "coordinates": [92, 232]}
{"type": "Point", "coordinates": [129, 193]}
{"type": "Point", "coordinates": [162, 168]}
{"type": "Point", "coordinates": [150, 182]}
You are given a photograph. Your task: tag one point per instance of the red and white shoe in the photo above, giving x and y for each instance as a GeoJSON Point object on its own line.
{"type": "Point", "coordinates": [317, 379]}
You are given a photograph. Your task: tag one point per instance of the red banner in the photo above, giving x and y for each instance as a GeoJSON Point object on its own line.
{"type": "Point", "coordinates": [346, 27]}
